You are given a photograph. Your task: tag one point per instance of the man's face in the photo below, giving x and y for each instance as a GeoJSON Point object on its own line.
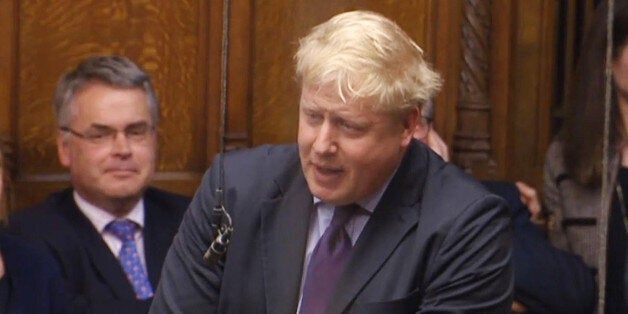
{"type": "Point", "coordinates": [106, 169]}
{"type": "Point", "coordinates": [348, 151]}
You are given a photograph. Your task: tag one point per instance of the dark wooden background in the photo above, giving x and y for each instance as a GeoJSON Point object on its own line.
{"type": "Point", "coordinates": [498, 59]}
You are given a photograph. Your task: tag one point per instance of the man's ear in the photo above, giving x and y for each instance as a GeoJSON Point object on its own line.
{"type": "Point", "coordinates": [63, 149]}
{"type": "Point", "coordinates": [410, 124]}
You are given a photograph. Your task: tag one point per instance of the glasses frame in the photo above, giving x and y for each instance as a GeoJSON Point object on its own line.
{"type": "Point", "coordinates": [110, 135]}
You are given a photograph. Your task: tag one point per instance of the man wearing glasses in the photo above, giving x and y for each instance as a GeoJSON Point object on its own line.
{"type": "Point", "coordinates": [109, 232]}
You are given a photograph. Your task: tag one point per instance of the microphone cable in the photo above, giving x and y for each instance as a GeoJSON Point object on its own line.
{"type": "Point", "coordinates": [221, 222]}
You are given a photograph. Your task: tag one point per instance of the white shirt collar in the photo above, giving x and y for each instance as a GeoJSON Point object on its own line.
{"type": "Point", "coordinates": [100, 218]}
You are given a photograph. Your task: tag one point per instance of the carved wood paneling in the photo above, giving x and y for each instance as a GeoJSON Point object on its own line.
{"type": "Point", "coordinates": [503, 130]}
{"type": "Point", "coordinates": [167, 38]}
{"type": "Point", "coordinates": [472, 138]}
{"type": "Point", "coordinates": [178, 42]}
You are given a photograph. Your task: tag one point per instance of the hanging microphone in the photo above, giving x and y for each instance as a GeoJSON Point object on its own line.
{"type": "Point", "coordinates": [221, 223]}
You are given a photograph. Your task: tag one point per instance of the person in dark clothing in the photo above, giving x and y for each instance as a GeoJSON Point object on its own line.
{"type": "Point", "coordinates": [110, 232]}
{"type": "Point", "coordinates": [30, 281]}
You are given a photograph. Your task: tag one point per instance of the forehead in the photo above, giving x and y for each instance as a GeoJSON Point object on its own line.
{"type": "Point", "coordinates": [103, 104]}
{"type": "Point", "coordinates": [329, 96]}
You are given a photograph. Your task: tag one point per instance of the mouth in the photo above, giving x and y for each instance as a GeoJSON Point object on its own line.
{"type": "Point", "coordinates": [122, 172]}
{"type": "Point", "coordinates": [326, 173]}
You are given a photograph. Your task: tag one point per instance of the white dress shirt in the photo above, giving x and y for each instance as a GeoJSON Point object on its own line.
{"type": "Point", "coordinates": [100, 218]}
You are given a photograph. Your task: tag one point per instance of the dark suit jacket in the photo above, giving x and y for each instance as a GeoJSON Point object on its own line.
{"type": "Point", "coordinates": [547, 280]}
{"type": "Point", "coordinates": [94, 279]}
{"type": "Point", "coordinates": [437, 241]}
{"type": "Point", "coordinates": [34, 282]}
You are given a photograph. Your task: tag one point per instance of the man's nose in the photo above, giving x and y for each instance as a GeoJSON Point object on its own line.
{"type": "Point", "coordinates": [325, 142]}
{"type": "Point", "coordinates": [121, 144]}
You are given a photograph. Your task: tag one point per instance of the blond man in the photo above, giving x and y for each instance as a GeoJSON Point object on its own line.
{"type": "Point", "coordinates": [357, 216]}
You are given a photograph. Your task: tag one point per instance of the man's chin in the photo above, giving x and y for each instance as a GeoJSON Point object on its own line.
{"type": "Point", "coordinates": [124, 192]}
{"type": "Point", "coordinates": [329, 196]}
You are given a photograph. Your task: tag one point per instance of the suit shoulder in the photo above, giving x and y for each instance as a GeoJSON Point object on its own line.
{"type": "Point", "coordinates": [25, 258]}
{"type": "Point", "coordinates": [42, 212]}
{"type": "Point", "coordinates": [266, 161]}
{"type": "Point", "coordinates": [167, 198]}
{"type": "Point", "coordinates": [262, 153]}
{"type": "Point", "coordinates": [455, 190]}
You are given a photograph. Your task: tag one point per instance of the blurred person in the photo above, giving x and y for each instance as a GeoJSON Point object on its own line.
{"type": "Point", "coordinates": [110, 232]}
{"type": "Point", "coordinates": [547, 279]}
{"type": "Point", "coordinates": [573, 168]}
{"type": "Point", "coordinates": [357, 216]}
{"type": "Point", "coordinates": [30, 281]}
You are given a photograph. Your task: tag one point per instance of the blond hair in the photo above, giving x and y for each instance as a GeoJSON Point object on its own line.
{"type": "Point", "coordinates": [367, 56]}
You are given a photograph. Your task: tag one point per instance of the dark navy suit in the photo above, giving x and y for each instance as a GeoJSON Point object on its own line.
{"type": "Point", "coordinates": [437, 241]}
{"type": "Point", "coordinates": [94, 279]}
{"type": "Point", "coordinates": [547, 280]}
{"type": "Point", "coordinates": [33, 281]}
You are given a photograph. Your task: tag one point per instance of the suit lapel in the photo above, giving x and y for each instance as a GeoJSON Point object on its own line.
{"type": "Point", "coordinates": [99, 254]}
{"type": "Point", "coordinates": [158, 234]}
{"type": "Point", "coordinates": [284, 223]}
{"type": "Point", "coordinates": [382, 234]}
{"type": "Point", "coordinates": [396, 214]}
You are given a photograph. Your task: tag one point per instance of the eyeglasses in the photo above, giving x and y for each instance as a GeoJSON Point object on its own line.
{"type": "Point", "coordinates": [101, 135]}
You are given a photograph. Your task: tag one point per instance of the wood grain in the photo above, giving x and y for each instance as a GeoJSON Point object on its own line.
{"type": "Point", "coordinates": [167, 38]}
{"type": "Point", "coordinates": [179, 44]}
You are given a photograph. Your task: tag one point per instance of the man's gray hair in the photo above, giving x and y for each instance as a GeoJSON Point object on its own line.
{"type": "Point", "coordinates": [115, 71]}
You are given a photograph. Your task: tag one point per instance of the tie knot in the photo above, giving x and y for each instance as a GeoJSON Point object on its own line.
{"type": "Point", "coordinates": [122, 229]}
{"type": "Point", "coordinates": [343, 213]}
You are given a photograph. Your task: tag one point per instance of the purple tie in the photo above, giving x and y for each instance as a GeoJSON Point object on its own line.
{"type": "Point", "coordinates": [327, 262]}
{"type": "Point", "coordinates": [129, 257]}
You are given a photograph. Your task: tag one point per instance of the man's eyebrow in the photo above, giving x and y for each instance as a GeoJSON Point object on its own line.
{"type": "Point", "coordinates": [107, 127]}
{"type": "Point", "coordinates": [137, 124]}
{"type": "Point", "coordinates": [100, 127]}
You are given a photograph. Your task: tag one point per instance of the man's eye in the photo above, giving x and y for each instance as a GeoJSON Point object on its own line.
{"type": "Point", "coordinates": [136, 132]}
{"type": "Point", "coordinates": [347, 125]}
{"type": "Point", "coordinates": [350, 126]}
{"type": "Point", "coordinates": [313, 117]}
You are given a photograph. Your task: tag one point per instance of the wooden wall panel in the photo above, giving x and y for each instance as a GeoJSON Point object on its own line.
{"type": "Point", "coordinates": [278, 26]}
{"type": "Point", "coordinates": [8, 42]}
{"type": "Point", "coordinates": [167, 38]}
{"type": "Point", "coordinates": [532, 89]}
{"type": "Point", "coordinates": [179, 43]}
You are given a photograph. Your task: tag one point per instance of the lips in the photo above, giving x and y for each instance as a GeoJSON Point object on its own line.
{"type": "Point", "coordinates": [328, 170]}
{"type": "Point", "coordinates": [325, 173]}
{"type": "Point", "coordinates": [122, 172]}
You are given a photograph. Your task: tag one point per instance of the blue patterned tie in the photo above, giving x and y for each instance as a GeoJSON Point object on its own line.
{"type": "Point", "coordinates": [129, 257]}
{"type": "Point", "coordinates": [327, 263]}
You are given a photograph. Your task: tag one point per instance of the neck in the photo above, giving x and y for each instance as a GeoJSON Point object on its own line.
{"type": "Point", "coordinates": [118, 207]}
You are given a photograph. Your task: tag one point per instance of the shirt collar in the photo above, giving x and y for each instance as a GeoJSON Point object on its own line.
{"type": "Point", "coordinates": [100, 218]}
